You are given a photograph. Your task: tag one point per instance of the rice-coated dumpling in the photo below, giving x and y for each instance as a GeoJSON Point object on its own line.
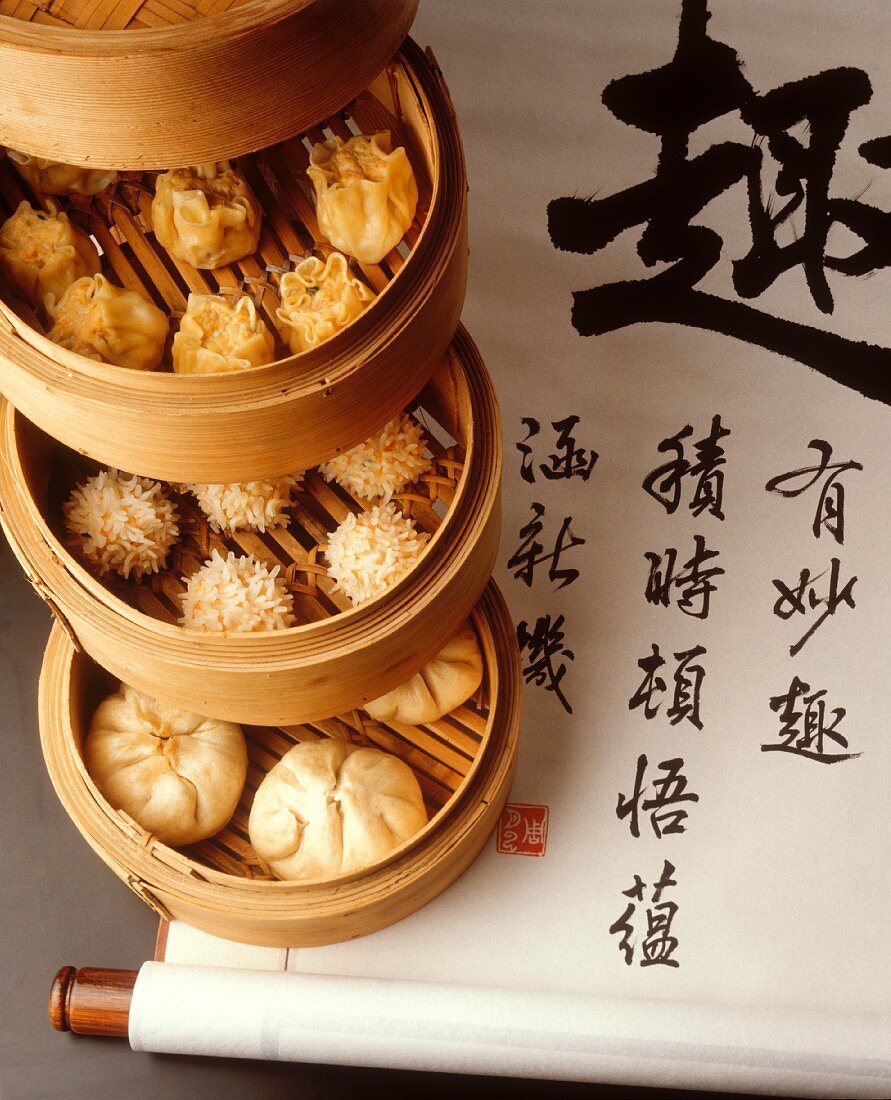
{"type": "Point", "coordinates": [122, 523]}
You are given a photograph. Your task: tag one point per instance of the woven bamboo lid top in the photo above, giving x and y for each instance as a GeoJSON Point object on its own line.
{"type": "Point", "coordinates": [199, 80]}
{"type": "Point", "coordinates": [114, 15]}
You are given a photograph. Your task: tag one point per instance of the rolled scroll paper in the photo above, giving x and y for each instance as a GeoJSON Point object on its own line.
{"type": "Point", "coordinates": [395, 1023]}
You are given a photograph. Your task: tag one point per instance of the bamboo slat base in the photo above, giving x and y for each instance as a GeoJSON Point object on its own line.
{"type": "Point", "coordinates": [302, 409]}
{"type": "Point", "coordinates": [464, 764]}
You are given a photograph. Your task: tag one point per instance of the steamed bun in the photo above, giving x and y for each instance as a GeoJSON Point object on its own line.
{"type": "Point", "coordinates": [329, 807]}
{"type": "Point", "coordinates": [443, 683]}
{"type": "Point", "coordinates": [177, 774]}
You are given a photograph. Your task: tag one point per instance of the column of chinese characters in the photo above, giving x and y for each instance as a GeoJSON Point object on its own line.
{"type": "Point", "coordinates": [691, 476]}
{"type": "Point", "coordinates": [545, 655]}
{"type": "Point", "coordinates": [805, 730]}
{"type": "Point", "coordinates": [694, 582]}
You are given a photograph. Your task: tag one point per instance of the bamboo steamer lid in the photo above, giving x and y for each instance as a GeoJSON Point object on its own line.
{"type": "Point", "coordinates": [339, 656]}
{"type": "Point", "coordinates": [164, 83]}
{"type": "Point", "coordinates": [464, 764]}
{"type": "Point", "coordinates": [302, 409]}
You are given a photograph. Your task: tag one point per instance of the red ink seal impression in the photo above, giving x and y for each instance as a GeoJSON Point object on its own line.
{"type": "Point", "coordinates": [522, 830]}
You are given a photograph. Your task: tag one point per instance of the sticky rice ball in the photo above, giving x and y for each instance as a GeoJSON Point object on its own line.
{"type": "Point", "coordinates": [122, 523]}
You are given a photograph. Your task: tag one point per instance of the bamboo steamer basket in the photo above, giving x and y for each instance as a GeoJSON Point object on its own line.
{"type": "Point", "coordinates": [302, 409]}
{"type": "Point", "coordinates": [464, 764]}
{"type": "Point", "coordinates": [142, 83]}
{"type": "Point", "coordinates": [339, 656]}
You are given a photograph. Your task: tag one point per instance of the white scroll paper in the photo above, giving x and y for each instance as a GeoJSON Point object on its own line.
{"type": "Point", "coordinates": [179, 1009]}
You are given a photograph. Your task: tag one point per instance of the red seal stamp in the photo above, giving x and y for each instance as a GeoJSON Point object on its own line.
{"type": "Point", "coordinates": [522, 830]}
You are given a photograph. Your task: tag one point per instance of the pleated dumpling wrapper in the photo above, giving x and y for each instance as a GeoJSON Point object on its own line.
{"type": "Point", "coordinates": [177, 774]}
{"type": "Point", "coordinates": [366, 194]}
{"type": "Point", "coordinates": [102, 321]}
{"type": "Point", "coordinates": [318, 300]}
{"type": "Point", "coordinates": [206, 216]}
{"type": "Point", "coordinates": [329, 807]}
{"type": "Point", "coordinates": [220, 337]}
{"type": "Point", "coordinates": [44, 253]}
{"type": "Point", "coordinates": [51, 177]}
{"type": "Point", "coordinates": [443, 683]}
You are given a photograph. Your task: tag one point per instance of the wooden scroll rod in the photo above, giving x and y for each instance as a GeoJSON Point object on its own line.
{"type": "Point", "coordinates": [92, 1001]}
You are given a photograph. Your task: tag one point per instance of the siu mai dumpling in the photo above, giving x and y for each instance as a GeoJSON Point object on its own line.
{"type": "Point", "coordinates": [328, 808]}
{"type": "Point", "coordinates": [44, 253]}
{"type": "Point", "coordinates": [366, 194]}
{"type": "Point", "coordinates": [206, 216]}
{"type": "Point", "coordinates": [104, 322]}
{"type": "Point", "coordinates": [179, 775]}
{"type": "Point", "coordinates": [444, 683]}
{"type": "Point", "coordinates": [318, 300]}
{"type": "Point", "coordinates": [216, 337]}
{"type": "Point", "coordinates": [51, 177]}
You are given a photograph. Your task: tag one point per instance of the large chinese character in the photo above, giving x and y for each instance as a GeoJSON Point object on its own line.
{"type": "Point", "coordinates": [669, 790]}
{"type": "Point", "coordinates": [532, 429]}
{"type": "Point", "coordinates": [531, 552]}
{"type": "Point", "coordinates": [651, 685]}
{"type": "Point", "coordinates": [659, 945]}
{"type": "Point", "coordinates": [544, 644]}
{"type": "Point", "coordinates": [801, 597]}
{"type": "Point", "coordinates": [830, 511]}
{"type": "Point", "coordinates": [703, 82]}
{"type": "Point", "coordinates": [805, 730]}
{"type": "Point", "coordinates": [665, 482]}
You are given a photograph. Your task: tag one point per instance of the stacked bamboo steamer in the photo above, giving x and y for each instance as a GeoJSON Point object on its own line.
{"type": "Point", "coordinates": [261, 81]}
